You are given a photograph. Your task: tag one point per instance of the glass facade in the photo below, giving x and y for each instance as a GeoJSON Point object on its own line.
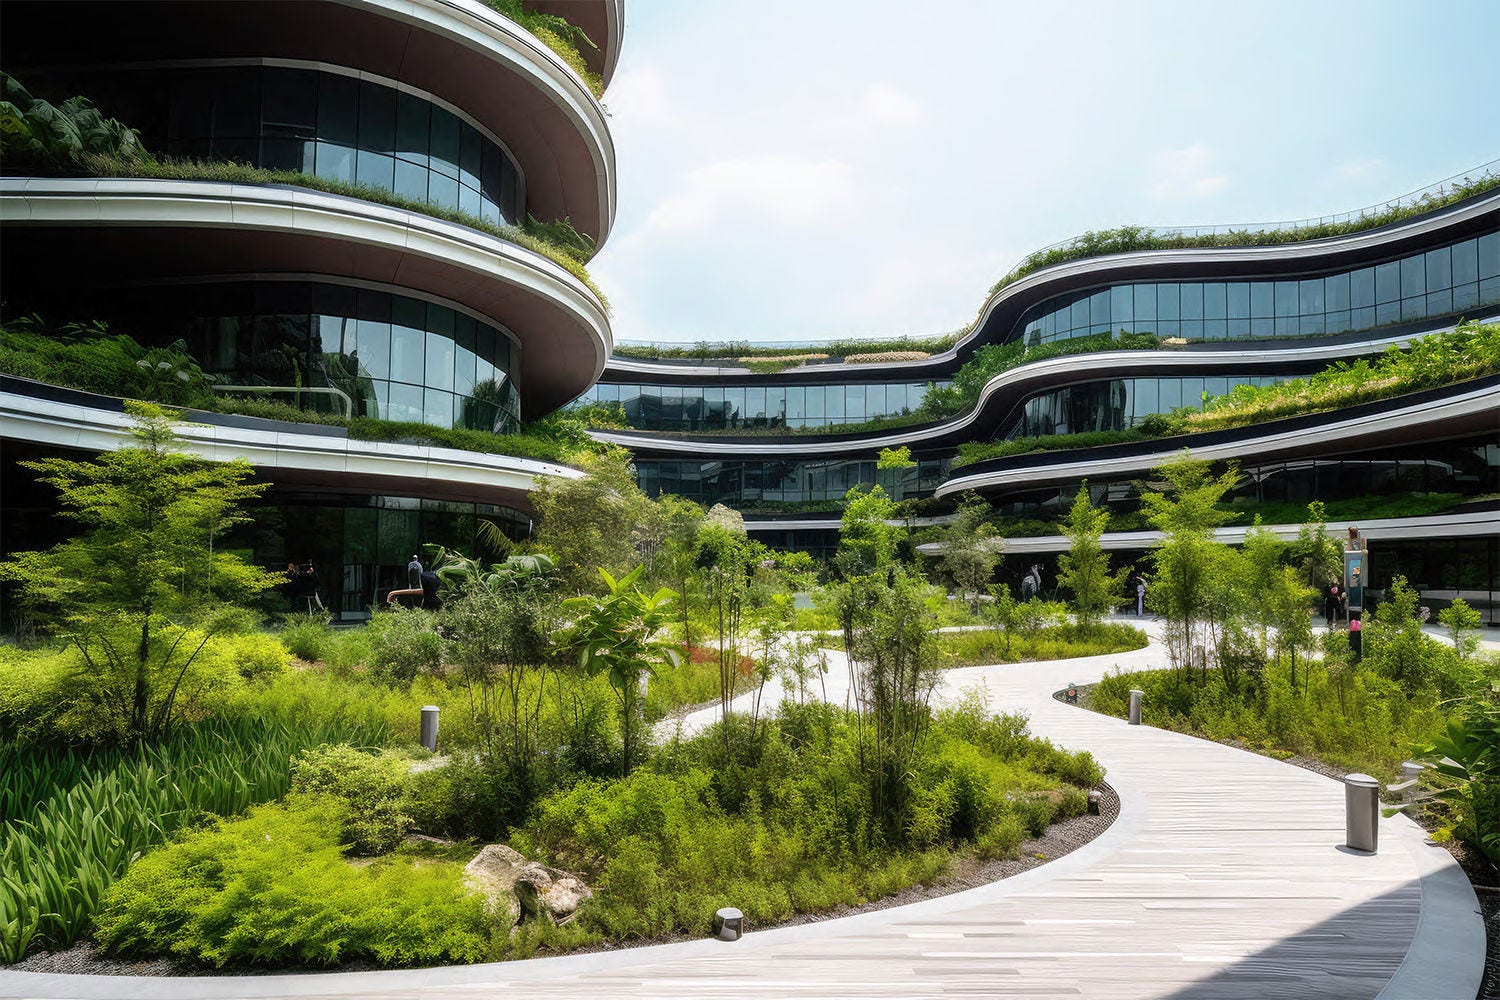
{"type": "Point", "coordinates": [1120, 403]}
{"type": "Point", "coordinates": [770, 484]}
{"type": "Point", "coordinates": [392, 356]}
{"type": "Point", "coordinates": [360, 545]}
{"type": "Point", "coordinates": [1450, 280]}
{"type": "Point", "coordinates": [758, 406]}
{"type": "Point", "coordinates": [323, 123]}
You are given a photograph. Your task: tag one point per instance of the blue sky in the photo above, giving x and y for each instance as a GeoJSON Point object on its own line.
{"type": "Point", "coordinates": [808, 169]}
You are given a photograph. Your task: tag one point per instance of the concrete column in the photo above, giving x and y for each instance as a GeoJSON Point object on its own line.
{"type": "Point", "coordinates": [429, 726]}
{"type": "Point", "coordinates": [1136, 694]}
{"type": "Point", "coordinates": [1361, 812]}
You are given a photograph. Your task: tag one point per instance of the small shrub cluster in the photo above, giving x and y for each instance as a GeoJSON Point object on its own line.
{"type": "Point", "coordinates": [372, 788]}
{"type": "Point", "coordinates": [1053, 642]}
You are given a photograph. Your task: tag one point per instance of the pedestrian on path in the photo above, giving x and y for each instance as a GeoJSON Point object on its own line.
{"type": "Point", "coordinates": [1140, 597]}
{"type": "Point", "coordinates": [1356, 639]}
{"type": "Point", "coordinates": [1333, 600]}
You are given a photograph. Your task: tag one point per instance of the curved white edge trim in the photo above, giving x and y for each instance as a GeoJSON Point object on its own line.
{"type": "Point", "coordinates": [800, 524]}
{"type": "Point", "coordinates": [614, 16]}
{"type": "Point", "coordinates": [1446, 955]}
{"type": "Point", "coordinates": [1078, 368]}
{"type": "Point", "coordinates": [1473, 524]}
{"type": "Point", "coordinates": [1346, 432]}
{"type": "Point", "coordinates": [106, 201]}
{"type": "Point", "coordinates": [477, 26]}
{"type": "Point", "coordinates": [67, 425]}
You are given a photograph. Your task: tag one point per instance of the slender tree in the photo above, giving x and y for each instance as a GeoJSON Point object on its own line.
{"type": "Point", "coordinates": [971, 549]}
{"type": "Point", "coordinates": [144, 566]}
{"type": "Point", "coordinates": [1084, 568]}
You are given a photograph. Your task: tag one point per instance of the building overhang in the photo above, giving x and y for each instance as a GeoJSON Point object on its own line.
{"type": "Point", "coordinates": [459, 50]}
{"type": "Point", "coordinates": [122, 230]}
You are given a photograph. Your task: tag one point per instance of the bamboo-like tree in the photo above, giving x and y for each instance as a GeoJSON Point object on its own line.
{"type": "Point", "coordinates": [1084, 568]}
{"type": "Point", "coordinates": [971, 550]}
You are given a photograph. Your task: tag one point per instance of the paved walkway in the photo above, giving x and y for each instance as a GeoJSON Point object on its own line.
{"type": "Point", "coordinates": [1224, 876]}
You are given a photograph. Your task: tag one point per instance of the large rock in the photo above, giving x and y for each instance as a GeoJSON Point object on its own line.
{"type": "Point", "coordinates": [521, 889]}
{"type": "Point", "coordinates": [547, 892]}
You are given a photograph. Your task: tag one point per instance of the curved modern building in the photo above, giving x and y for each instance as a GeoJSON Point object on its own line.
{"type": "Point", "coordinates": [395, 283]}
{"type": "Point", "coordinates": [783, 448]}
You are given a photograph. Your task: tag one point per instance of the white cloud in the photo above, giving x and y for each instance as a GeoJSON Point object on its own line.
{"type": "Point", "coordinates": [885, 105]}
{"type": "Point", "coordinates": [1186, 173]}
{"type": "Point", "coordinates": [639, 94]}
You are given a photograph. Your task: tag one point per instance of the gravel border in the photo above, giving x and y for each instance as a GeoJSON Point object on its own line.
{"type": "Point", "coordinates": [969, 872]}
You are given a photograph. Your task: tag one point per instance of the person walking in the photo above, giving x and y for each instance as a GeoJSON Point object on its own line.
{"type": "Point", "coordinates": [414, 574]}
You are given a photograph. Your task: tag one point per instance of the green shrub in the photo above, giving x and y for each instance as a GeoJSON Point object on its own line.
{"type": "Point", "coordinates": [273, 889]}
{"type": "Point", "coordinates": [404, 643]}
{"type": "Point", "coordinates": [307, 637]}
{"type": "Point", "coordinates": [255, 656]}
{"type": "Point", "coordinates": [371, 786]}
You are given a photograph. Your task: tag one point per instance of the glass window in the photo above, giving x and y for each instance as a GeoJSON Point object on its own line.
{"type": "Point", "coordinates": [1238, 294]}
{"type": "Point", "coordinates": [440, 360]}
{"type": "Point", "coordinates": [469, 157]}
{"type": "Point", "coordinates": [411, 180]}
{"type": "Point", "coordinates": [1167, 302]}
{"type": "Point", "coordinates": [1439, 269]}
{"type": "Point", "coordinates": [1310, 296]}
{"type": "Point", "coordinates": [1145, 306]}
{"type": "Point", "coordinates": [1440, 303]}
{"type": "Point", "coordinates": [373, 341]}
{"type": "Point", "coordinates": [755, 403]}
{"type": "Point", "coordinates": [1362, 288]}
{"type": "Point", "coordinates": [412, 125]}
{"type": "Point", "coordinates": [1413, 276]}
{"type": "Point", "coordinates": [338, 109]}
{"type": "Point", "coordinates": [1078, 316]}
{"type": "Point", "coordinates": [405, 403]}
{"type": "Point", "coordinates": [1286, 298]}
{"type": "Point", "coordinates": [836, 411]}
{"type": "Point", "coordinates": [289, 103]}
{"type": "Point", "coordinates": [1121, 306]}
{"type": "Point", "coordinates": [1192, 300]}
{"type": "Point", "coordinates": [1489, 256]}
{"type": "Point", "coordinates": [1214, 302]}
{"type": "Point", "coordinates": [445, 143]}
{"type": "Point", "coordinates": [796, 405]}
{"type": "Point", "coordinates": [1099, 308]}
{"type": "Point", "coordinates": [1465, 262]}
{"type": "Point", "coordinates": [1465, 296]}
{"type": "Point", "coordinates": [875, 399]}
{"type": "Point", "coordinates": [1169, 394]}
{"type": "Point", "coordinates": [1262, 299]}
{"type": "Point", "coordinates": [854, 403]}
{"type": "Point", "coordinates": [377, 118]}
{"type": "Point", "coordinates": [1388, 282]}
{"type": "Point", "coordinates": [442, 189]}
{"type": "Point", "coordinates": [408, 340]}
{"type": "Point", "coordinates": [438, 408]}
{"type": "Point", "coordinates": [814, 404]}
{"type": "Point", "coordinates": [1336, 292]}
{"type": "Point", "coordinates": [1338, 322]}
{"type": "Point", "coordinates": [1146, 398]}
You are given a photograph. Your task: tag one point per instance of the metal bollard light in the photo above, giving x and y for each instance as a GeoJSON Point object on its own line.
{"type": "Point", "coordinates": [1361, 812]}
{"type": "Point", "coordinates": [728, 924]}
{"type": "Point", "coordinates": [429, 726]}
{"type": "Point", "coordinates": [1136, 694]}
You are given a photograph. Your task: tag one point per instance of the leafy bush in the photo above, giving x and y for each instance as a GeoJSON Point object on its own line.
{"type": "Point", "coordinates": [404, 643]}
{"type": "Point", "coordinates": [307, 637]}
{"type": "Point", "coordinates": [87, 356]}
{"type": "Point", "coordinates": [273, 889]}
{"type": "Point", "coordinates": [256, 657]}
{"type": "Point", "coordinates": [1056, 642]}
{"type": "Point", "coordinates": [371, 786]}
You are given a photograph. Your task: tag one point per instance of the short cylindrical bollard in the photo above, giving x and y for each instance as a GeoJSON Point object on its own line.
{"type": "Point", "coordinates": [1411, 770]}
{"type": "Point", "coordinates": [1094, 801]}
{"type": "Point", "coordinates": [429, 726]}
{"type": "Point", "coordinates": [728, 924]}
{"type": "Point", "coordinates": [1361, 812]}
{"type": "Point", "coordinates": [1136, 694]}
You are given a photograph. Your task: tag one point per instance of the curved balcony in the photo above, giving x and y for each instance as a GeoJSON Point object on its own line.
{"type": "Point", "coordinates": [1454, 411]}
{"type": "Point", "coordinates": [304, 456]}
{"type": "Point", "coordinates": [151, 230]}
{"type": "Point", "coordinates": [459, 51]}
{"type": "Point", "coordinates": [1003, 396]}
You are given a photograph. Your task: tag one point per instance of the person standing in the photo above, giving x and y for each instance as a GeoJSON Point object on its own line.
{"type": "Point", "coordinates": [1356, 639]}
{"type": "Point", "coordinates": [414, 574]}
{"type": "Point", "coordinates": [1140, 596]}
{"type": "Point", "coordinates": [1332, 598]}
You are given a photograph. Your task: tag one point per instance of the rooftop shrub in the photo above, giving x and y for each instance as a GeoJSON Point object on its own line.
{"type": "Point", "coordinates": [555, 32]}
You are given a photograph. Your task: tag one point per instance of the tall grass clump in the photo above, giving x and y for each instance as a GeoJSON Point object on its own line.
{"type": "Point", "coordinates": [74, 820]}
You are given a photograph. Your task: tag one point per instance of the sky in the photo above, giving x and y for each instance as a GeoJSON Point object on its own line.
{"type": "Point", "coordinates": [800, 170]}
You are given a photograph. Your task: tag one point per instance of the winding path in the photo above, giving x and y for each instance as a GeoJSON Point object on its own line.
{"type": "Point", "coordinates": [1224, 877]}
